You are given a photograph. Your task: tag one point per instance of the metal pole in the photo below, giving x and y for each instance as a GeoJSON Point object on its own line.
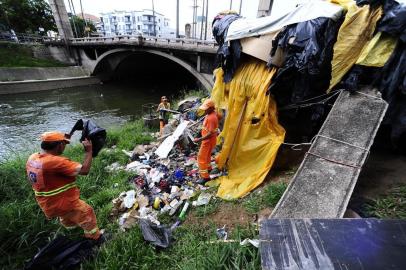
{"type": "Point", "coordinates": [239, 12]}
{"type": "Point", "coordinates": [201, 22]}
{"type": "Point", "coordinates": [231, 4]}
{"type": "Point", "coordinates": [177, 18]}
{"type": "Point", "coordinates": [207, 12]}
{"type": "Point", "coordinates": [83, 16]}
{"type": "Point", "coordinates": [73, 19]}
{"type": "Point", "coordinates": [193, 20]}
{"type": "Point", "coordinates": [153, 17]}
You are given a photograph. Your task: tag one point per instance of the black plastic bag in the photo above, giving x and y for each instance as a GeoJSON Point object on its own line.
{"type": "Point", "coordinates": [91, 132]}
{"type": "Point", "coordinates": [228, 55]}
{"type": "Point", "coordinates": [62, 253]}
{"type": "Point", "coordinates": [392, 84]}
{"type": "Point", "coordinates": [308, 49]}
{"type": "Point", "coordinates": [159, 236]}
{"type": "Point", "coordinates": [393, 21]}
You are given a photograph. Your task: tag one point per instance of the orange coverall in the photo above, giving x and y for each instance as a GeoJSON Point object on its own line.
{"type": "Point", "coordinates": [210, 124]}
{"type": "Point", "coordinates": [53, 181]}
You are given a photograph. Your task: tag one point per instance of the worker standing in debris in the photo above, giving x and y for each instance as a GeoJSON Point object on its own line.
{"type": "Point", "coordinates": [208, 140]}
{"type": "Point", "coordinates": [163, 115]}
{"type": "Point", "coordinates": [53, 180]}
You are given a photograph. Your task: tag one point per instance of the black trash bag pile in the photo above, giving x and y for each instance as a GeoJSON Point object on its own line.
{"type": "Point", "coordinates": [307, 48]}
{"type": "Point", "coordinates": [62, 253]}
{"type": "Point", "coordinates": [228, 55]}
{"type": "Point", "coordinates": [92, 132]}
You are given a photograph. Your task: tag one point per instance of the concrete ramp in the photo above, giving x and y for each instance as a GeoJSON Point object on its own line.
{"type": "Point", "coordinates": [323, 184]}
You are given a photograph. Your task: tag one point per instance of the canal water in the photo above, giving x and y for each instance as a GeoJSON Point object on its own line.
{"type": "Point", "coordinates": [31, 114]}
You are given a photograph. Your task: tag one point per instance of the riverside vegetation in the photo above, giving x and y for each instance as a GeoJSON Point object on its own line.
{"type": "Point", "coordinates": [17, 55]}
{"type": "Point", "coordinates": [24, 228]}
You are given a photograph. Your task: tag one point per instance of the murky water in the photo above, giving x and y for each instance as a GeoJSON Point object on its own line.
{"type": "Point", "coordinates": [33, 113]}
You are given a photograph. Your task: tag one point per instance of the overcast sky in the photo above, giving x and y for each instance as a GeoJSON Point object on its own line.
{"type": "Point", "coordinates": [168, 7]}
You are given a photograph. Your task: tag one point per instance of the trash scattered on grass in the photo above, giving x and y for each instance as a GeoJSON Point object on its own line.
{"type": "Point", "coordinates": [247, 241]}
{"type": "Point", "coordinates": [221, 233]}
{"type": "Point", "coordinates": [203, 199]}
{"type": "Point", "coordinates": [164, 176]}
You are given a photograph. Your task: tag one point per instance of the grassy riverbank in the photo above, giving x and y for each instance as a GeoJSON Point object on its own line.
{"type": "Point", "coordinates": [16, 55]}
{"type": "Point", "coordinates": [24, 227]}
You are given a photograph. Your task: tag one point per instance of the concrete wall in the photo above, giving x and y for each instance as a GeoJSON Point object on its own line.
{"type": "Point", "coordinates": [22, 74]}
{"type": "Point", "coordinates": [56, 53]}
{"type": "Point", "coordinates": [41, 85]}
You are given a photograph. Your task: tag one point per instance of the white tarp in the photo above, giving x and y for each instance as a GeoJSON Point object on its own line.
{"type": "Point", "coordinates": [167, 145]}
{"type": "Point", "coordinates": [313, 9]}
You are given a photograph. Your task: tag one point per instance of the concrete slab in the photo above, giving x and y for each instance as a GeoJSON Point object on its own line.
{"type": "Point", "coordinates": [323, 184]}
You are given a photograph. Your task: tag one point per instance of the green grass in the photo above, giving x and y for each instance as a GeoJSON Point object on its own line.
{"type": "Point", "coordinates": [16, 55]}
{"type": "Point", "coordinates": [267, 197]}
{"type": "Point", "coordinates": [24, 228]}
{"type": "Point", "coordinates": [392, 205]}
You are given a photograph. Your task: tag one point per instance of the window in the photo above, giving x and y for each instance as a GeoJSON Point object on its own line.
{"type": "Point", "coordinates": [139, 27]}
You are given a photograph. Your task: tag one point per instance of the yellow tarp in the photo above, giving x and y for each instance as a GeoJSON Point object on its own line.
{"type": "Point", "coordinates": [251, 133]}
{"type": "Point", "coordinates": [356, 30]}
{"type": "Point", "coordinates": [377, 51]}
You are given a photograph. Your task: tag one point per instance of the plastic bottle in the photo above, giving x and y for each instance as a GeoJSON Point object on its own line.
{"type": "Point", "coordinates": [182, 215]}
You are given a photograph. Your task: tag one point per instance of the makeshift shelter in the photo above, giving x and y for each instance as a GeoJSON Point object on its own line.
{"type": "Point", "coordinates": [313, 49]}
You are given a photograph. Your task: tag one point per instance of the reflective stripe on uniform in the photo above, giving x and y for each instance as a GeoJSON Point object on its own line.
{"type": "Point", "coordinates": [91, 231]}
{"type": "Point", "coordinates": [55, 191]}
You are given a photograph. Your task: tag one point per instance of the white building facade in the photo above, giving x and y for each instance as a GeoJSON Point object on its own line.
{"type": "Point", "coordinates": [134, 22]}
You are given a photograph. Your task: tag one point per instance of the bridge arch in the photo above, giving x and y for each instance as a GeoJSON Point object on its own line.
{"type": "Point", "coordinates": [107, 63]}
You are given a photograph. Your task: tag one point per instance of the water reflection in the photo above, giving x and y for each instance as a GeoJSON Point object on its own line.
{"type": "Point", "coordinates": [33, 113]}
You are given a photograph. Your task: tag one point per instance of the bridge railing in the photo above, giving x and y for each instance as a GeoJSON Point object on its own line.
{"type": "Point", "coordinates": [27, 38]}
{"type": "Point", "coordinates": [142, 39]}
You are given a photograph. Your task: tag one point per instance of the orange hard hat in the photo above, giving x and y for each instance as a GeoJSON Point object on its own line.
{"type": "Point", "coordinates": [54, 136]}
{"type": "Point", "coordinates": [208, 103]}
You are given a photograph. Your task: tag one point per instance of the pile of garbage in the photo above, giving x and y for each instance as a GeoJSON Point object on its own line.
{"type": "Point", "coordinates": [164, 174]}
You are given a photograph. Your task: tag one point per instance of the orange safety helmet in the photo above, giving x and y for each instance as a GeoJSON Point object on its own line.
{"type": "Point", "coordinates": [208, 103]}
{"type": "Point", "coordinates": [54, 136]}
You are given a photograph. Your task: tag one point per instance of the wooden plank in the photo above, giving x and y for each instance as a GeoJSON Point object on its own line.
{"type": "Point", "coordinates": [349, 244]}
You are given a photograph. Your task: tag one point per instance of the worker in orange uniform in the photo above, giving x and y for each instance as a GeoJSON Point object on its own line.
{"type": "Point", "coordinates": [208, 140]}
{"type": "Point", "coordinates": [53, 180]}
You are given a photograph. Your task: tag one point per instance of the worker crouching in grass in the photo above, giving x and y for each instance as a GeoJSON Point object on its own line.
{"type": "Point", "coordinates": [163, 115]}
{"type": "Point", "coordinates": [208, 140]}
{"type": "Point", "coordinates": [53, 180]}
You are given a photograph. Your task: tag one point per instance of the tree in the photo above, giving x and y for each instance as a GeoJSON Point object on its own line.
{"type": "Point", "coordinates": [26, 16]}
{"type": "Point", "coordinates": [81, 26]}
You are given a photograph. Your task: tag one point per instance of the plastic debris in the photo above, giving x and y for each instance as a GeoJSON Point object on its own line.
{"type": "Point", "coordinates": [114, 167]}
{"type": "Point", "coordinates": [203, 199]}
{"type": "Point", "coordinates": [182, 215]}
{"type": "Point", "coordinates": [221, 233]}
{"type": "Point", "coordinates": [159, 236]}
{"type": "Point", "coordinates": [247, 241]}
{"type": "Point", "coordinates": [129, 199]}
